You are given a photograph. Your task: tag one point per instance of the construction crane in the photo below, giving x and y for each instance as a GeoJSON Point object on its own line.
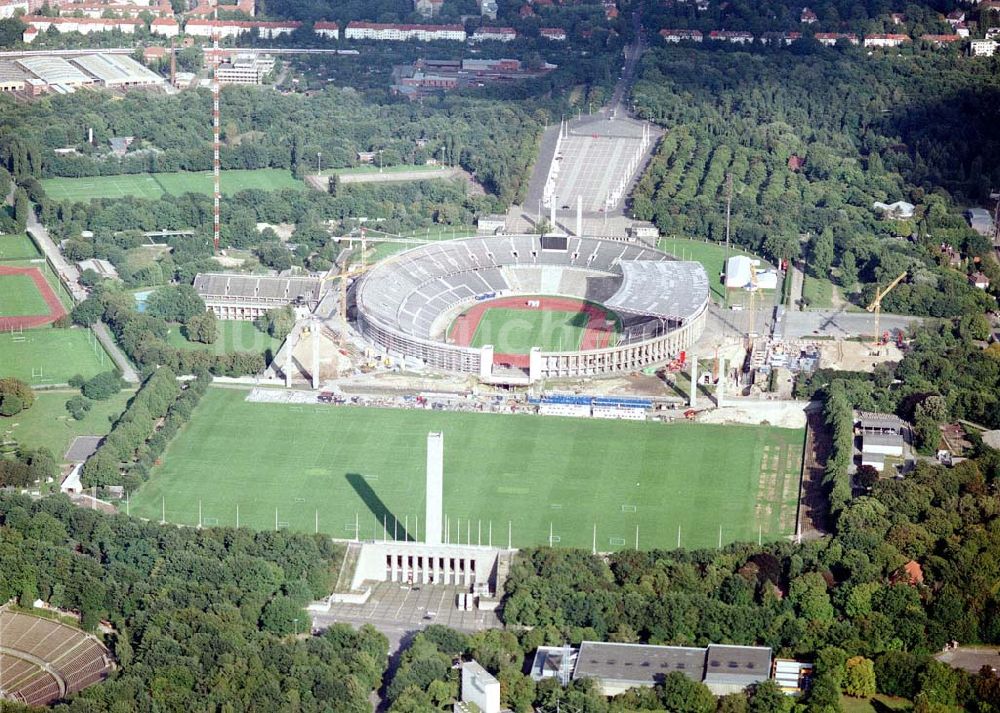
{"type": "Point", "coordinates": [876, 305]}
{"type": "Point", "coordinates": [752, 312]}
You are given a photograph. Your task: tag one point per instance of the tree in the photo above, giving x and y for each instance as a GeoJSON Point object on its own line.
{"type": "Point", "coordinates": [848, 270]}
{"type": "Point", "coordinates": [866, 476]}
{"type": "Point", "coordinates": [102, 386]}
{"type": "Point", "coordinates": [282, 615]}
{"type": "Point", "coordinates": [175, 303]}
{"type": "Point", "coordinates": [202, 328]}
{"type": "Point", "coordinates": [274, 255]}
{"type": "Point", "coordinates": [276, 322]}
{"type": "Point", "coordinates": [87, 312]}
{"type": "Point", "coordinates": [78, 406]}
{"type": "Point", "coordinates": [767, 697]}
{"type": "Point", "coordinates": [18, 395]}
{"type": "Point", "coordinates": [22, 208]}
{"type": "Point", "coordinates": [859, 677]}
{"type": "Point", "coordinates": [824, 696]}
{"type": "Point", "coordinates": [683, 695]}
{"type": "Point", "coordinates": [821, 253]}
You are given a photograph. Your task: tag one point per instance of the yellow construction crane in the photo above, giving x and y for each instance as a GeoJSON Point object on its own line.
{"type": "Point", "coordinates": [876, 305]}
{"type": "Point", "coordinates": [752, 311]}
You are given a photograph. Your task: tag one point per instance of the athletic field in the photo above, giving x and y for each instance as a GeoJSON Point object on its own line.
{"type": "Point", "coordinates": [17, 247]}
{"type": "Point", "coordinates": [234, 335]}
{"type": "Point", "coordinates": [19, 297]}
{"type": "Point", "coordinates": [338, 463]}
{"type": "Point", "coordinates": [51, 356]}
{"type": "Point", "coordinates": [156, 185]}
{"type": "Point", "coordinates": [513, 325]}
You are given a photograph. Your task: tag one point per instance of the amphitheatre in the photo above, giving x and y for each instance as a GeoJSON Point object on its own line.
{"type": "Point", "coordinates": [638, 305]}
{"type": "Point", "coordinates": [42, 661]}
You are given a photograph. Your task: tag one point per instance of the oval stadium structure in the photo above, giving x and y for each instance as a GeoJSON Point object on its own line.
{"type": "Point", "coordinates": [407, 303]}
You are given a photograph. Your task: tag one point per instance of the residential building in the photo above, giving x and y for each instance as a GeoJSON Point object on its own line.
{"type": "Point", "coordinates": [494, 34]}
{"type": "Point", "coordinates": [330, 30]}
{"type": "Point", "coordinates": [488, 8]}
{"type": "Point", "coordinates": [983, 48]}
{"type": "Point", "coordinates": [941, 40]}
{"type": "Point", "coordinates": [955, 17]}
{"type": "Point", "coordinates": [962, 30]}
{"type": "Point", "coordinates": [235, 28]}
{"type": "Point", "coordinates": [29, 34]}
{"type": "Point", "coordinates": [557, 34]}
{"type": "Point", "coordinates": [897, 18]}
{"type": "Point", "coordinates": [9, 8]}
{"type": "Point", "coordinates": [739, 38]}
{"type": "Point", "coordinates": [979, 281]}
{"type": "Point", "coordinates": [781, 38]}
{"type": "Point", "coordinates": [166, 26]}
{"type": "Point", "coordinates": [394, 32]}
{"type": "Point", "coordinates": [679, 35]}
{"type": "Point", "coordinates": [808, 17]}
{"type": "Point", "coordinates": [83, 25]}
{"type": "Point", "coordinates": [886, 40]}
{"type": "Point", "coordinates": [246, 68]}
{"type": "Point", "coordinates": [830, 38]}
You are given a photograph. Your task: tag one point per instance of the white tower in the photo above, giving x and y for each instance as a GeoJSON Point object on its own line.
{"type": "Point", "coordinates": [435, 488]}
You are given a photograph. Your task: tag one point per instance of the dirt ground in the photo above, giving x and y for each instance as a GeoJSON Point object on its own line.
{"type": "Point", "coordinates": [331, 362]}
{"type": "Point", "coordinates": [855, 356]}
{"type": "Point", "coordinates": [284, 230]}
{"type": "Point", "coordinates": [783, 414]}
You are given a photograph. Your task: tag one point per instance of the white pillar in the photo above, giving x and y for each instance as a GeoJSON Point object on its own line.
{"type": "Point", "coordinates": [315, 354]}
{"type": "Point", "coordinates": [486, 361]}
{"type": "Point", "coordinates": [435, 488]}
{"type": "Point", "coordinates": [694, 381]}
{"type": "Point", "coordinates": [534, 364]}
{"type": "Point", "coordinates": [720, 388]}
{"type": "Point", "coordinates": [579, 215]}
{"type": "Point", "coordinates": [288, 358]}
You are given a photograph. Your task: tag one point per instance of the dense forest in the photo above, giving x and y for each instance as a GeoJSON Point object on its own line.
{"type": "Point", "coordinates": [811, 142]}
{"type": "Point", "coordinates": [203, 620]}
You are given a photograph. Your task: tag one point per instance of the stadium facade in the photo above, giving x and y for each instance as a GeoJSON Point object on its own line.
{"type": "Point", "coordinates": [407, 302]}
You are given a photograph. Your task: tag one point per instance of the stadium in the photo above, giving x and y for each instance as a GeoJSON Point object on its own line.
{"type": "Point", "coordinates": [43, 661]}
{"type": "Point", "coordinates": [489, 306]}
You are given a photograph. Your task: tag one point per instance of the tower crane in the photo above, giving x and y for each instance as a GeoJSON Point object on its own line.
{"type": "Point", "coordinates": [876, 304]}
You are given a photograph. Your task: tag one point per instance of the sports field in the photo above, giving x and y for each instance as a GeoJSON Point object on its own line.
{"type": "Point", "coordinates": [51, 356]}
{"type": "Point", "coordinates": [17, 247]}
{"type": "Point", "coordinates": [513, 325]}
{"type": "Point", "coordinates": [155, 185]}
{"type": "Point", "coordinates": [233, 336]}
{"type": "Point", "coordinates": [19, 297]}
{"type": "Point", "coordinates": [340, 462]}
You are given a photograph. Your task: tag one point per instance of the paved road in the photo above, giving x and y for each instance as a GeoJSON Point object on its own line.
{"type": "Point", "coordinates": [838, 324]}
{"type": "Point", "coordinates": [70, 276]}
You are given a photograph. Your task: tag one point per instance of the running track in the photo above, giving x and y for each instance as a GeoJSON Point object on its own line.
{"type": "Point", "coordinates": [597, 334]}
{"type": "Point", "coordinates": [56, 309]}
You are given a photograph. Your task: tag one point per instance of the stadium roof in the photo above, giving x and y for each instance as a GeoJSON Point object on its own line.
{"type": "Point", "coordinates": [54, 70]}
{"type": "Point", "coordinates": [640, 664]}
{"type": "Point", "coordinates": [116, 69]}
{"type": "Point", "coordinates": [224, 286]}
{"type": "Point", "coordinates": [670, 289]}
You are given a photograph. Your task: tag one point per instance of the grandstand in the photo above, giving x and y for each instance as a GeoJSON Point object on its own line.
{"type": "Point", "coordinates": [247, 297]}
{"type": "Point", "coordinates": [406, 303]}
{"type": "Point", "coordinates": [42, 661]}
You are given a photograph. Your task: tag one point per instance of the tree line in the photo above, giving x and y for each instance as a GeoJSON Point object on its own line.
{"type": "Point", "coordinates": [203, 620]}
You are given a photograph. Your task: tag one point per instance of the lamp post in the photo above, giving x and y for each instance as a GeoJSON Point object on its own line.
{"type": "Point", "coordinates": [380, 160]}
{"type": "Point", "coordinates": [295, 623]}
{"type": "Point", "coordinates": [319, 163]}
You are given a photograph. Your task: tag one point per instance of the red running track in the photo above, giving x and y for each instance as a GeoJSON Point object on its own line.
{"type": "Point", "coordinates": [596, 335]}
{"type": "Point", "coordinates": [56, 310]}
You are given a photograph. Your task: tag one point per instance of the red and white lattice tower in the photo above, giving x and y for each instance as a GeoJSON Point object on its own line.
{"type": "Point", "coordinates": [216, 195]}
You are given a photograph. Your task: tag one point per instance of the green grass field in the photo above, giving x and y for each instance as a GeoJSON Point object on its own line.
{"type": "Point", "coordinates": [155, 185]}
{"type": "Point", "coordinates": [47, 423]}
{"type": "Point", "coordinates": [339, 462]}
{"type": "Point", "coordinates": [818, 292]}
{"type": "Point", "coordinates": [52, 356]}
{"type": "Point", "coordinates": [17, 247]}
{"type": "Point", "coordinates": [516, 331]}
{"type": "Point", "coordinates": [19, 297]}
{"type": "Point", "coordinates": [234, 336]}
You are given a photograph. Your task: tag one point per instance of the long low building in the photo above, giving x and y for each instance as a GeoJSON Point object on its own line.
{"type": "Point", "coordinates": [393, 32]}
{"type": "Point", "coordinates": [248, 297]}
{"type": "Point", "coordinates": [723, 668]}
{"type": "Point", "coordinates": [117, 70]}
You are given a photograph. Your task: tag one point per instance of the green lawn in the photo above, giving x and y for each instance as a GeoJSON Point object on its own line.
{"type": "Point", "coordinates": [234, 336]}
{"type": "Point", "coordinates": [19, 297]}
{"type": "Point", "coordinates": [712, 256]}
{"type": "Point", "coordinates": [516, 331]}
{"type": "Point", "coordinates": [48, 424]}
{"type": "Point", "coordinates": [17, 247]}
{"type": "Point", "coordinates": [877, 704]}
{"type": "Point", "coordinates": [818, 292]}
{"type": "Point", "coordinates": [530, 471]}
{"type": "Point", "coordinates": [52, 356]}
{"type": "Point", "coordinates": [155, 185]}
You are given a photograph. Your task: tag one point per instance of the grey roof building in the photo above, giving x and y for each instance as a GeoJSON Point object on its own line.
{"type": "Point", "coordinates": [619, 667]}
{"type": "Point", "coordinates": [249, 296]}
{"type": "Point", "coordinates": [980, 220]}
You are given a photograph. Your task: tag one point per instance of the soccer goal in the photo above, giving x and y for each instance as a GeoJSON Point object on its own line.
{"type": "Point", "coordinates": [211, 522]}
{"type": "Point", "coordinates": [628, 508]}
{"type": "Point", "coordinates": [616, 541]}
